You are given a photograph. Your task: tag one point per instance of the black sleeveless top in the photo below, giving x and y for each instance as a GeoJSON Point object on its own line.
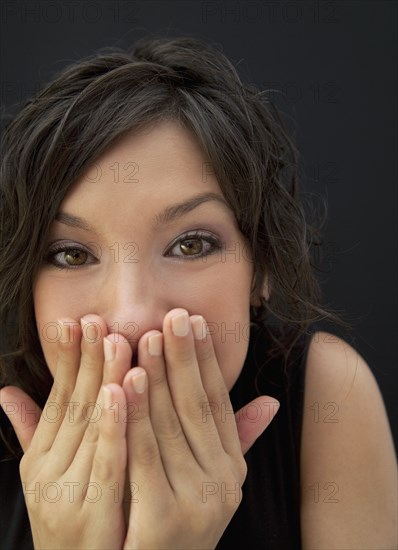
{"type": "Point", "coordinates": [269, 514]}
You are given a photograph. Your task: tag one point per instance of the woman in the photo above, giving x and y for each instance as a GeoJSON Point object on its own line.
{"type": "Point", "coordinates": [158, 197]}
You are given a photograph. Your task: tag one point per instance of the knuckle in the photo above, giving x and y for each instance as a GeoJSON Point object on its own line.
{"type": "Point", "coordinates": [241, 469]}
{"type": "Point", "coordinates": [103, 467]}
{"type": "Point", "coordinates": [193, 405]}
{"type": "Point", "coordinates": [157, 377]}
{"type": "Point", "coordinates": [223, 397]}
{"type": "Point", "coordinates": [170, 428]}
{"type": "Point", "coordinates": [206, 354]}
{"type": "Point", "coordinates": [66, 356]}
{"type": "Point", "coordinates": [90, 360]}
{"type": "Point", "coordinates": [60, 390]}
{"type": "Point", "coordinates": [183, 355]}
{"type": "Point", "coordinates": [92, 433]}
{"type": "Point", "coordinates": [146, 453]}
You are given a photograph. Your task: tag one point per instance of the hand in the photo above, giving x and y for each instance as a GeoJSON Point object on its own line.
{"type": "Point", "coordinates": [185, 458]}
{"type": "Point", "coordinates": [74, 466]}
{"type": "Point", "coordinates": [99, 446]}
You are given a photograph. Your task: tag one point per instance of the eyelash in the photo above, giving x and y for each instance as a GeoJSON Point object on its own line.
{"type": "Point", "coordinates": [197, 235]}
{"type": "Point", "coordinates": [50, 256]}
{"type": "Point", "coordinates": [215, 243]}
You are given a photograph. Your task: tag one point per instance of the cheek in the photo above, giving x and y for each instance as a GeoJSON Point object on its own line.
{"type": "Point", "coordinates": [230, 332]}
{"type": "Point", "coordinates": [52, 300]}
{"type": "Point", "coordinates": [226, 307]}
{"type": "Point", "coordinates": [58, 296]}
{"type": "Point", "coordinates": [231, 357]}
{"type": "Point", "coordinates": [45, 314]}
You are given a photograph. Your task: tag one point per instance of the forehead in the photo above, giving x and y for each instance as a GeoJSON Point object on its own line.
{"type": "Point", "coordinates": [142, 176]}
{"type": "Point", "coordinates": [165, 147]}
{"type": "Point", "coordinates": [157, 159]}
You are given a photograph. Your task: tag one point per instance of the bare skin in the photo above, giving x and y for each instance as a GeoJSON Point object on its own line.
{"type": "Point", "coordinates": [177, 442]}
{"type": "Point", "coordinates": [165, 439]}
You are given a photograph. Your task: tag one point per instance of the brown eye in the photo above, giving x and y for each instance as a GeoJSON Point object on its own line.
{"type": "Point", "coordinates": [69, 257]}
{"type": "Point", "coordinates": [191, 246]}
{"type": "Point", "coordinates": [195, 245]}
{"type": "Point", "coordinates": [76, 257]}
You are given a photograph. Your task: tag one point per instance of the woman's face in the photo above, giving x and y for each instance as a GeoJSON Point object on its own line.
{"type": "Point", "coordinates": [141, 242]}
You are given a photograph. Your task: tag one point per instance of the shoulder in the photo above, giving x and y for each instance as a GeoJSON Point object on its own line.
{"type": "Point", "coordinates": [348, 463]}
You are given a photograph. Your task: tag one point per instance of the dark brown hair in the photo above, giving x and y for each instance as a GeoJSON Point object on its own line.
{"type": "Point", "coordinates": [92, 103]}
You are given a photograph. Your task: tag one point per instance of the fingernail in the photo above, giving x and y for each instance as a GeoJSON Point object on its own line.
{"type": "Point", "coordinates": [180, 324]}
{"type": "Point", "coordinates": [199, 328]}
{"type": "Point", "coordinates": [155, 345]}
{"type": "Point", "coordinates": [91, 330]}
{"type": "Point", "coordinates": [109, 350]}
{"type": "Point", "coordinates": [106, 397]}
{"type": "Point", "coordinates": [138, 379]}
{"type": "Point", "coordinates": [84, 322]}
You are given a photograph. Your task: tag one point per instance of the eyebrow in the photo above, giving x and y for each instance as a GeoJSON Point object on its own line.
{"type": "Point", "coordinates": [168, 215]}
{"type": "Point", "coordinates": [75, 221]}
{"type": "Point", "coordinates": [171, 213]}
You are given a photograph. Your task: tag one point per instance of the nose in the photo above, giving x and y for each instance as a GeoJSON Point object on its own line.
{"type": "Point", "coordinates": [133, 301]}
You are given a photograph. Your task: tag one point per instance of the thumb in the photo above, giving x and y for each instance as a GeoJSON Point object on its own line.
{"type": "Point", "coordinates": [22, 412]}
{"type": "Point", "coordinates": [254, 418]}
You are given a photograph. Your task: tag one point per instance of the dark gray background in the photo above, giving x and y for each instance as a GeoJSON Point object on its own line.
{"type": "Point", "coordinates": [335, 64]}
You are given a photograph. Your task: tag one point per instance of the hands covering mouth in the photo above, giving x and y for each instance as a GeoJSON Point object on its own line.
{"type": "Point", "coordinates": [167, 426]}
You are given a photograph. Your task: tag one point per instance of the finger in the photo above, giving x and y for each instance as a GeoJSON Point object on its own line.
{"type": "Point", "coordinates": [117, 359]}
{"type": "Point", "coordinates": [91, 368]}
{"type": "Point", "coordinates": [82, 407]}
{"type": "Point", "coordinates": [188, 394]}
{"type": "Point", "coordinates": [22, 412]}
{"type": "Point", "coordinates": [219, 406]}
{"type": "Point", "coordinates": [173, 446]}
{"type": "Point", "coordinates": [66, 369]}
{"type": "Point", "coordinates": [254, 418]}
{"type": "Point", "coordinates": [117, 363]}
{"type": "Point", "coordinates": [144, 461]}
{"type": "Point", "coordinates": [110, 458]}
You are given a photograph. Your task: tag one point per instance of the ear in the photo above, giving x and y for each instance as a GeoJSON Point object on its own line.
{"type": "Point", "coordinates": [265, 293]}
